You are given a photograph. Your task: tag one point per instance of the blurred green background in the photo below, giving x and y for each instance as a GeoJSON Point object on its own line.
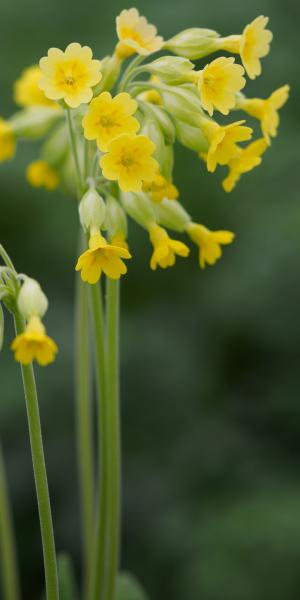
{"type": "Point", "coordinates": [210, 360]}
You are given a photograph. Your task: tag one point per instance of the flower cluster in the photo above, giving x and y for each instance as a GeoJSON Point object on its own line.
{"type": "Point", "coordinates": [108, 134]}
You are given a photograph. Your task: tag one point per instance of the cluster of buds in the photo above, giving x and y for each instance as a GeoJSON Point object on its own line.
{"type": "Point", "coordinates": [117, 142]}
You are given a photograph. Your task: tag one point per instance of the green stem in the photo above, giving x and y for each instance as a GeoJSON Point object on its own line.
{"type": "Point", "coordinates": [73, 142]}
{"type": "Point", "coordinates": [40, 475]}
{"type": "Point", "coordinates": [113, 456]}
{"type": "Point", "coordinates": [129, 73]}
{"type": "Point", "coordinates": [10, 575]}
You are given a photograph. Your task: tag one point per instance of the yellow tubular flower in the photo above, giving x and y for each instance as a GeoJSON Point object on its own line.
{"type": "Point", "coordinates": [102, 256]}
{"type": "Point", "coordinates": [165, 249]}
{"type": "Point", "coordinates": [27, 91]}
{"type": "Point", "coordinates": [70, 75]}
{"type": "Point", "coordinates": [252, 45]}
{"type": "Point", "coordinates": [129, 162]}
{"type": "Point", "coordinates": [34, 344]}
{"type": "Point", "coordinates": [119, 240]}
{"type": "Point", "coordinates": [109, 117]}
{"type": "Point", "coordinates": [40, 174]}
{"type": "Point", "coordinates": [136, 35]}
{"type": "Point", "coordinates": [247, 159]}
{"type": "Point", "coordinates": [7, 141]}
{"type": "Point", "coordinates": [218, 84]}
{"type": "Point", "coordinates": [160, 188]}
{"type": "Point", "coordinates": [266, 111]}
{"type": "Point", "coordinates": [223, 141]}
{"type": "Point", "coordinates": [209, 242]}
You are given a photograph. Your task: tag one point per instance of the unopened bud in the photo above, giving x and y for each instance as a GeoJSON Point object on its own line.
{"type": "Point", "coordinates": [183, 103]}
{"type": "Point", "coordinates": [56, 146]}
{"type": "Point", "coordinates": [191, 137]}
{"type": "Point", "coordinates": [110, 69]}
{"type": "Point", "coordinates": [162, 118]}
{"type": "Point", "coordinates": [172, 215]}
{"type": "Point", "coordinates": [32, 300]}
{"type": "Point", "coordinates": [140, 208]}
{"type": "Point", "coordinates": [172, 70]}
{"type": "Point", "coordinates": [34, 122]}
{"type": "Point", "coordinates": [115, 220]}
{"type": "Point", "coordinates": [152, 130]}
{"type": "Point", "coordinates": [193, 43]}
{"type": "Point", "coordinates": [92, 210]}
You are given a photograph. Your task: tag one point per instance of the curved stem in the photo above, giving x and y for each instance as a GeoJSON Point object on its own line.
{"type": "Point", "coordinates": [10, 574]}
{"type": "Point", "coordinates": [73, 142]}
{"type": "Point", "coordinates": [129, 72]}
{"type": "Point", "coordinates": [40, 475]}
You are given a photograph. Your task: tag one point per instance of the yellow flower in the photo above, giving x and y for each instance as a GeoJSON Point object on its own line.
{"type": "Point", "coordinates": [27, 91]}
{"type": "Point", "coordinates": [102, 256]}
{"type": "Point", "coordinates": [119, 240]}
{"type": "Point", "coordinates": [218, 84]}
{"type": "Point", "coordinates": [34, 344]}
{"type": "Point", "coordinates": [70, 75]}
{"type": "Point", "coordinates": [129, 162]}
{"type": "Point", "coordinates": [136, 35]}
{"type": "Point", "coordinates": [165, 249]}
{"type": "Point", "coordinates": [40, 174]}
{"type": "Point", "coordinates": [252, 45]}
{"type": "Point", "coordinates": [246, 159]}
{"type": "Point", "coordinates": [266, 111]}
{"type": "Point", "coordinates": [7, 141]}
{"type": "Point", "coordinates": [108, 117]}
{"type": "Point", "coordinates": [209, 242]}
{"type": "Point", "coordinates": [160, 188]}
{"type": "Point", "coordinates": [223, 141]}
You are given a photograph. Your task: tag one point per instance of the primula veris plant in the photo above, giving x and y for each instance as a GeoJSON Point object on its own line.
{"type": "Point", "coordinates": [107, 129]}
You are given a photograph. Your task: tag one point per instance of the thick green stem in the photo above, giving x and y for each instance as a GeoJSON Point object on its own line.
{"type": "Point", "coordinates": [40, 475]}
{"type": "Point", "coordinates": [8, 557]}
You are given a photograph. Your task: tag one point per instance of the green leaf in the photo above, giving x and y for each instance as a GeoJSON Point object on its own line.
{"type": "Point", "coordinates": [66, 578]}
{"type": "Point", "coordinates": [128, 588]}
{"type": "Point", "coordinates": [1, 327]}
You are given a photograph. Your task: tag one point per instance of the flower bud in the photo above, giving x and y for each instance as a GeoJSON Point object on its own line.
{"type": "Point", "coordinates": [150, 128]}
{"type": "Point", "coordinates": [115, 219]}
{"type": "Point", "coordinates": [172, 215]}
{"type": "Point", "coordinates": [183, 103]}
{"type": "Point", "coordinates": [110, 69]}
{"type": "Point", "coordinates": [32, 300]}
{"type": "Point", "coordinates": [56, 146]}
{"type": "Point", "coordinates": [193, 43]}
{"type": "Point", "coordinates": [92, 210]}
{"type": "Point", "coordinates": [34, 122]}
{"type": "Point", "coordinates": [191, 137]}
{"type": "Point", "coordinates": [172, 70]}
{"type": "Point", "coordinates": [162, 118]}
{"type": "Point", "coordinates": [139, 207]}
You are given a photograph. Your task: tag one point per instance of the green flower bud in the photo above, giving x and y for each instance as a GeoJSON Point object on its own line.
{"type": "Point", "coordinates": [162, 118]}
{"type": "Point", "coordinates": [35, 122]}
{"type": "Point", "coordinates": [92, 210]}
{"type": "Point", "coordinates": [183, 103]}
{"type": "Point", "coordinates": [191, 137]}
{"type": "Point", "coordinates": [172, 215]}
{"type": "Point", "coordinates": [56, 146]}
{"type": "Point", "coordinates": [172, 70]}
{"type": "Point", "coordinates": [115, 219]}
{"type": "Point", "coordinates": [31, 299]}
{"type": "Point", "coordinates": [193, 43]}
{"type": "Point", "coordinates": [139, 207]}
{"type": "Point", "coordinates": [150, 128]}
{"type": "Point", "coordinates": [110, 69]}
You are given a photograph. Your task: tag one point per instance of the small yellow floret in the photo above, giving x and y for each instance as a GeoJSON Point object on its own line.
{"type": "Point", "coordinates": [70, 75]}
{"type": "Point", "coordinates": [108, 117]}
{"type": "Point", "coordinates": [136, 35]}
{"type": "Point", "coordinates": [247, 159]}
{"type": "Point", "coordinates": [40, 174]}
{"type": "Point", "coordinates": [27, 91]}
{"type": "Point", "coordinates": [218, 84]}
{"type": "Point", "coordinates": [223, 141]}
{"type": "Point", "coordinates": [119, 239]}
{"type": "Point", "coordinates": [129, 162]}
{"type": "Point", "coordinates": [34, 344]}
{"type": "Point", "coordinates": [160, 188]}
{"type": "Point", "coordinates": [102, 256]}
{"type": "Point", "coordinates": [209, 242]}
{"type": "Point", "coordinates": [266, 111]}
{"type": "Point", "coordinates": [165, 249]}
{"type": "Point", "coordinates": [7, 141]}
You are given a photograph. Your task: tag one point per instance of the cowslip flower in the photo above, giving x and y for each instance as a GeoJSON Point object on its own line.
{"type": "Point", "coordinates": [246, 159]}
{"type": "Point", "coordinates": [136, 35]}
{"type": "Point", "coordinates": [102, 256]}
{"type": "Point", "coordinates": [34, 344]}
{"type": "Point", "coordinates": [109, 117]}
{"type": "Point", "coordinates": [252, 45]}
{"type": "Point", "coordinates": [223, 141]}
{"type": "Point", "coordinates": [129, 161]}
{"type": "Point", "coordinates": [209, 242]}
{"type": "Point", "coordinates": [160, 188]}
{"type": "Point", "coordinates": [266, 111]}
{"type": "Point", "coordinates": [218, 84]}
{"type": "Point", "coordinates": [165, 248]}
{"type": "Point", "coordinates": [70, 75]}
{"type": "Point", "coordinates": [7, 140]}
{"type": "Point", "coordinates": [41, 174]}
{"type": "Point", "coordinates": [27, 91]}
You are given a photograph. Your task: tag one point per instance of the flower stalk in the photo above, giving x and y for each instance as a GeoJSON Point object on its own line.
{"type": "Point", "coordinates": [10, 575]}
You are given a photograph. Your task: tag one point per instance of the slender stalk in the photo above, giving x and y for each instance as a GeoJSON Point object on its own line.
{"type": "Point", "coordinates": [73, 143]}
{"type": "Point", "coordinates": [129, 73]}
{"type": "Point", "coordinates": [10, 574]}
{"type": "Point", "coordinates": [40, 475]}
{"type": "Point", "coordinates": [113, 456]}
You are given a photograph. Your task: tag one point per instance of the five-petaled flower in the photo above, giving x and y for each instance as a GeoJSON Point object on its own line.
{"type": "Point", "coordinates": [33, 343]}
{"type": "Point", "coordinates": [102, 256]}
{"type": "Point", "coordinates": [41, 174]}
{"type": "Point", "coordinates": [136, 35]}
{"type": "Point", "coordinates": [245, 160]}
{"type": "Point", "coordinates": [165, 249]}
{"type": "Point", "coordinates": [266, 111]}
{"type": "Point", "coordinates": [209, 242]}
{"type": "Point", "coordinates": [218, 84]}
{"type": "Point", "coordinates": [27, 91]}
{"type": "Point", "coordinates": [223, 141]}
{"type": "Point", "coordinates": [70, 75]}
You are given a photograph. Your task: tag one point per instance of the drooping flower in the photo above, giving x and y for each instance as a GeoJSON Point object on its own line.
{"type": "Point", "coordinates": [129, 161]}
{"type": "Point", "coordinates": [247, 159]}
{"type": "Point", "coordinates": [266, 111]}
{"type": "Point", "coordinates": [209, 242]}
{"type": "Point", "coordinates": [34, 344]}
{"type": "Point", "coordinates": [102, 256]}
{"type": "Point", "coordinates": [252, 45]}
{"type": "Point", "coordinates": [136, 35]}
{"type": "Point", "coordinates": [119, 240]}
{"type": "Point", "coordinates": [108, 117]}
{"type": "Point", "coordinates": [218, 84]}
{"type": "Point", "coordinates": [7, 141]}
{"type": "Point", "coordinates": [70, 75]}
{"type": "Point", "coordinates": [165, 249]}
{"type": "Point", "coordinates": [41, 174]}
{"type": "Point", "coordinates": [160, 188]}
{"type": "Point", "coordinates": [223, 141]}
{"type": "Point", "coordinates": [27, 91]}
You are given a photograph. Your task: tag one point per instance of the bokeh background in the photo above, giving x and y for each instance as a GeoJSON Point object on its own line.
{"type": "Point", "coordinates": [210, 360]}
